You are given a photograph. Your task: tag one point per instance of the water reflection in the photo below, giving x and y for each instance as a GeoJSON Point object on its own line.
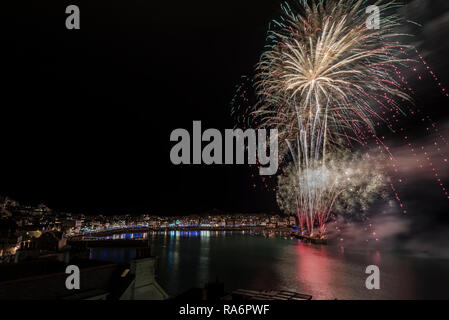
{"type": "Point", "coordinates": [189, 259]}
{"type": "Point", "coordinates": [313, 270]}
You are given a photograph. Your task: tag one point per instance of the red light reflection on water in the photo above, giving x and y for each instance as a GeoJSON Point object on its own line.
{"type": "Point", "coordinates": [314, 270]}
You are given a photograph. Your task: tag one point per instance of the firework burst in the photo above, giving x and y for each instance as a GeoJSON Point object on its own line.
{"type": "Point", "coordinates": [323, 80]}
{"type": "Point", "coordinates": [347, 183]}
{"type": "Point", "coordinates": [322, 62]}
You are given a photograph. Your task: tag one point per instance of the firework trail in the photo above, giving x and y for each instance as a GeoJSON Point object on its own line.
{"type": "Point", "coordinates": [242, 103]}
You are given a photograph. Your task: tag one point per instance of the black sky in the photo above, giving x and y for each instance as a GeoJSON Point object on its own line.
{"type": "Point", "coordinates": [86, 114]}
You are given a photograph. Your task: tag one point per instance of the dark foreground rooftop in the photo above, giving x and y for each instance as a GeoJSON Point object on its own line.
{"type": "Point", "coordinates": [242, 294]}
{"type": "Point", "coordinates": [45, 279]}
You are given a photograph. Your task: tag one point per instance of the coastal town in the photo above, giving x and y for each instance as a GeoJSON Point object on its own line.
{"type": "Point", "coordinates": [37, 244]}
{"type": "Point", "coordinates": [44, 229]}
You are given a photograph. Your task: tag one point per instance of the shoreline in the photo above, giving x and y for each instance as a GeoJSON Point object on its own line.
{"type": "Point", "coordinates": [104, 233]}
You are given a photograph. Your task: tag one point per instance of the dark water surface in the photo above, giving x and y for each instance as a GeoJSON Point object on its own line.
{"type": "Point", "coordinates": [190, 259]}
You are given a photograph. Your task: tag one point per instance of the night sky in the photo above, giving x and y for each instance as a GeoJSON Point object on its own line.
{"type": "Point", "coordinates": [87, 114]}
